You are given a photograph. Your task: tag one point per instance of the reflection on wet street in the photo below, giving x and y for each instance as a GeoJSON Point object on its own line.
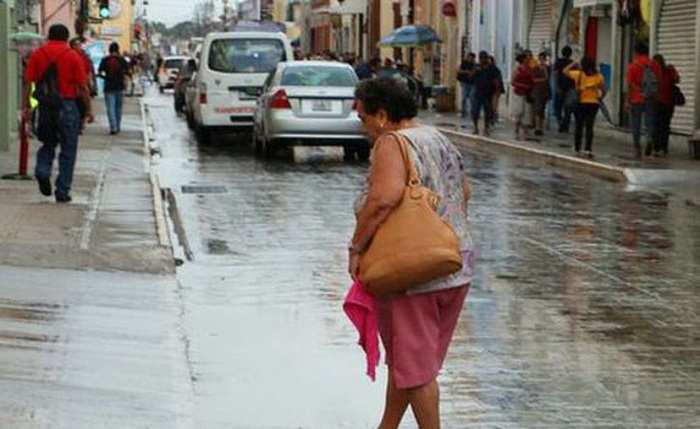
{"type": "Point", "coordinates": [584, 312]}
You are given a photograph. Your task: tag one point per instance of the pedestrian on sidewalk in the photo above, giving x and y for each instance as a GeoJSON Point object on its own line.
{"type": "Point", "coordinates": [643, 90]}
{"type": "Point", "coordinates": [541, 92]}
{"type": "Point", "coordinates": [114, 70]}
{"type": "Point", "coordinates": [522, 81]}
{"type": "Point", "coordinates": [77, 46]}
{"type": "Point", "coordinates": [590, 86]}
{"type": "Point", "coordinates": [416, 327]}
{"type": "Point", "coordinates": [465, 76]}
{"type": "Point", "coordinates": [669, 78]}
{"type": "Point", "coordinates": [59, 75]}
{"type": "Point", "coordinates": [500, 90]}
{"type": "Point", "coordinates": [564, 93]}
{"type": "Point", "coordinates": [485, 84]}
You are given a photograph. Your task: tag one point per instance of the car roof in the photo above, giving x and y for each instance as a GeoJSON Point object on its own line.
{"type": "Point", "coordinates": [247, 35]}
{"type": "Point", "coordinates": [175, 57]}
{"type": "Point", "coordinates": [316, 63]}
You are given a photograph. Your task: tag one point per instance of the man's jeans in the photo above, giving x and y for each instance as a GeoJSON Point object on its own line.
{"type": "Point", "coordinates": [69, 129]}
{"type": "Point", "coordinates": [114, 100]}
{"type": "Point", "coordinates": [648, 111]}
{"type": "Point", "coordinates": [466, 98]}
{"type": "Point", "coordinates": [564, 104]}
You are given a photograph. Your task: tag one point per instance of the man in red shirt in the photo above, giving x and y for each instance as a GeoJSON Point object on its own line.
{"type": "Point", "coordinates": [62, 128]}
{"type": "Point", "coordinates": [638, 104]}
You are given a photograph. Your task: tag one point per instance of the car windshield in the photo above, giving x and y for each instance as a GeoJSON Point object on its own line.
{"type": "Point", "coordinates": [318, 76]}
{"type": "Point", "coordinates": [173, 63]}
{"type": "Point", "coordinates": [245, 55]}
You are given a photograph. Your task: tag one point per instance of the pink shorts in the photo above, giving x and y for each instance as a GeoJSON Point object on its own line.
{"type": "Point", "coordinates": [416, 331]}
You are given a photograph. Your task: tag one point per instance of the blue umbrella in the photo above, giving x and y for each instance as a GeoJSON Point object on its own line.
{"type": "Point", "coordinates": [411, 35]}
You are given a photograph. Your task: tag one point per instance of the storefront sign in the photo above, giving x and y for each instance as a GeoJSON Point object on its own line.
{"type": "Point", "coordinates": [449, 9]}
{"type": "Point", "coordinates": [111, 30]}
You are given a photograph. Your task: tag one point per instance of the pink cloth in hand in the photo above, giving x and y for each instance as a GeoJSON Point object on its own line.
{"type": "Point", "coordinates": [359, 307]}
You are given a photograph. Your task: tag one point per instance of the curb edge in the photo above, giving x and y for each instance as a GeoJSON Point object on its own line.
{"type": "Point", "coordinates": [597, 169]}
{"type": "Point", "coordinates": [157, 197]}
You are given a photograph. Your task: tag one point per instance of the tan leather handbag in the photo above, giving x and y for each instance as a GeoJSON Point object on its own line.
{"type": "Point", "coordinates": [414, 245]}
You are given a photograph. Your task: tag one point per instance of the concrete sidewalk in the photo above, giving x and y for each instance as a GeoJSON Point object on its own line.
{"type": "Point", "coordinates": [114, 221]}
{"type": "Point", "coordinates": [612, 147]}
{"type": "Point", "coordinates": [90, 315]}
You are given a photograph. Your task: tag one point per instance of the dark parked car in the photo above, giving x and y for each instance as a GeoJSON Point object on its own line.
{"type": "Point", "coordinates": [183, 78]}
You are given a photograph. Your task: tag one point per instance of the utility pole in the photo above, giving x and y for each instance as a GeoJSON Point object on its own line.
{"type": "Point", "coordinates": [8, 75]}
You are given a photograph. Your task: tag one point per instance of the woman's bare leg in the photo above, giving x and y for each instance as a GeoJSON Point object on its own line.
{"type": "Point", "coordinates": [425, 404]}
{"type": "Point", "coordinates": [395, 406]}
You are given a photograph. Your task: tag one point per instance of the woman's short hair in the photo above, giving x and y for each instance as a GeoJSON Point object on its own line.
{"type": "Point", "coordinates": [588, 66]}
{"type": "Point", "coordinates": [388, 94]}
{"type": "Point", "coordinates": [660, 59]}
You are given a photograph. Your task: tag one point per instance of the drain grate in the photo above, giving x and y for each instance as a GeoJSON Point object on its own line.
{"type": "Point", "coordinates": [203, 189]}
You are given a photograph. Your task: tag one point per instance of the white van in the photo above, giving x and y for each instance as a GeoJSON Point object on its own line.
{"type": "Point", "coordinates": [233, 67]}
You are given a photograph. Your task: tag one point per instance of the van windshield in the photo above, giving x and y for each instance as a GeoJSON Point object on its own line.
{"type": "Point", "coordinates": [245, 55]}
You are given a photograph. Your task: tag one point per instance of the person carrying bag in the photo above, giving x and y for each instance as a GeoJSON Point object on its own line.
{"type": "Point", "coordinates": [416, 181]}
{"type": "Point", "coordinates": [590, 90]}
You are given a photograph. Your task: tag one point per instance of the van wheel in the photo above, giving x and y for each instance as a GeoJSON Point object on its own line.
{"type": "Point", "coordinates": [267, 149]}
{"type": "Point", "coordinates": [161, 89]}
{"type": "Point", "coordinates": [257, 143]}
{"type": "Point", "coordinates": [203, 135]}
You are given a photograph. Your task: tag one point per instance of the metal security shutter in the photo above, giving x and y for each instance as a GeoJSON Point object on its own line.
{"type": "Point", "coordinates": [540, 35]}
{"type": "Point", "coordinates": [677, 45]}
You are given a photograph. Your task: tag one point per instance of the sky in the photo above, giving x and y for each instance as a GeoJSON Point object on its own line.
{"type": "Point", "coordinates": [171, 12]}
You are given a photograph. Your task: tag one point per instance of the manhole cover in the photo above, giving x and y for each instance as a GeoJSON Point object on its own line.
{"type": "Point", "coordinates": [203, 189]}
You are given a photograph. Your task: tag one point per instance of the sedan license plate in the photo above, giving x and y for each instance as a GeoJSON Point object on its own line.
{"type": "Point", "coordinates": [321, 106]}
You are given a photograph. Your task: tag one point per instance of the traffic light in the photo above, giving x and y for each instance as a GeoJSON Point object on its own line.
{"type": "Point", "coordinates": [103, 7]}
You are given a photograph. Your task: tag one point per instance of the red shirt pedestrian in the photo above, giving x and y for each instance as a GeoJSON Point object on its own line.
{"type": "Point", "coordinates": [71, 68]}
{"type": "Point", "coordinates": [635, 74]}
{"type": "Point", "coordinates": [668, 77]}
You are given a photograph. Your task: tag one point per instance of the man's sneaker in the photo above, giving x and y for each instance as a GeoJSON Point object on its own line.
{"type": "Point", "coordinates": [63, 198]}
{"type": "Point", "coordinates": [44, 186]}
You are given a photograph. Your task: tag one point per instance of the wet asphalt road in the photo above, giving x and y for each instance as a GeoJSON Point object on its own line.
{"type": "Point", "coordinates": [584, 313]}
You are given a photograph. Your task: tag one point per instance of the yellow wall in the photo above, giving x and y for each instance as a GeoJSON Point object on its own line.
{"type": "Point", "coordinates": [121, 23]}
{"type": "Point", "coordinates": [386, 27]}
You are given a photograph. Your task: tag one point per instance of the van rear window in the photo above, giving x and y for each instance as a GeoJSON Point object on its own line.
{"type": "Point", "coordinates": [173, 63]}
{"type": "Point", "coordinates": [245, 55]}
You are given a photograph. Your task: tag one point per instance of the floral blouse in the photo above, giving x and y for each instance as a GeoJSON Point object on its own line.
{"type": "Point", "coordinates": [440, 167]}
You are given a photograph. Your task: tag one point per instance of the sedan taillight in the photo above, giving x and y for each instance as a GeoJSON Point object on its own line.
{"type": "Point", "coordinates": [279, 100]}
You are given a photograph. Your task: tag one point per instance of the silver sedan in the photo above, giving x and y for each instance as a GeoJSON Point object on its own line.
{"type": "Point", "coordinates": [309, 103]}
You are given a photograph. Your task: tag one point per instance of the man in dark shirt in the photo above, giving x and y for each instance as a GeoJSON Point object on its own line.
{"type": "Point", "coordinates": [564, 94]}
{"type": "Point", "coordinates": [486, 82]}
{"type": "Point", "coordinates": [465, 76]}
{"type": "Point", "coordinates": [114, 70]}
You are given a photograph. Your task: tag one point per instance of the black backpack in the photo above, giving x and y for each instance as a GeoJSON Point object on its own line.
{"type": "Point", "coordinates": [50, 103]}
{"type": "Point", "coordinates": [46, 91]}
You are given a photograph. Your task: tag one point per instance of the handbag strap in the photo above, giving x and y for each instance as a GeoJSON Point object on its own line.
{"type": "Point", "coordinates": [413, 179]}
